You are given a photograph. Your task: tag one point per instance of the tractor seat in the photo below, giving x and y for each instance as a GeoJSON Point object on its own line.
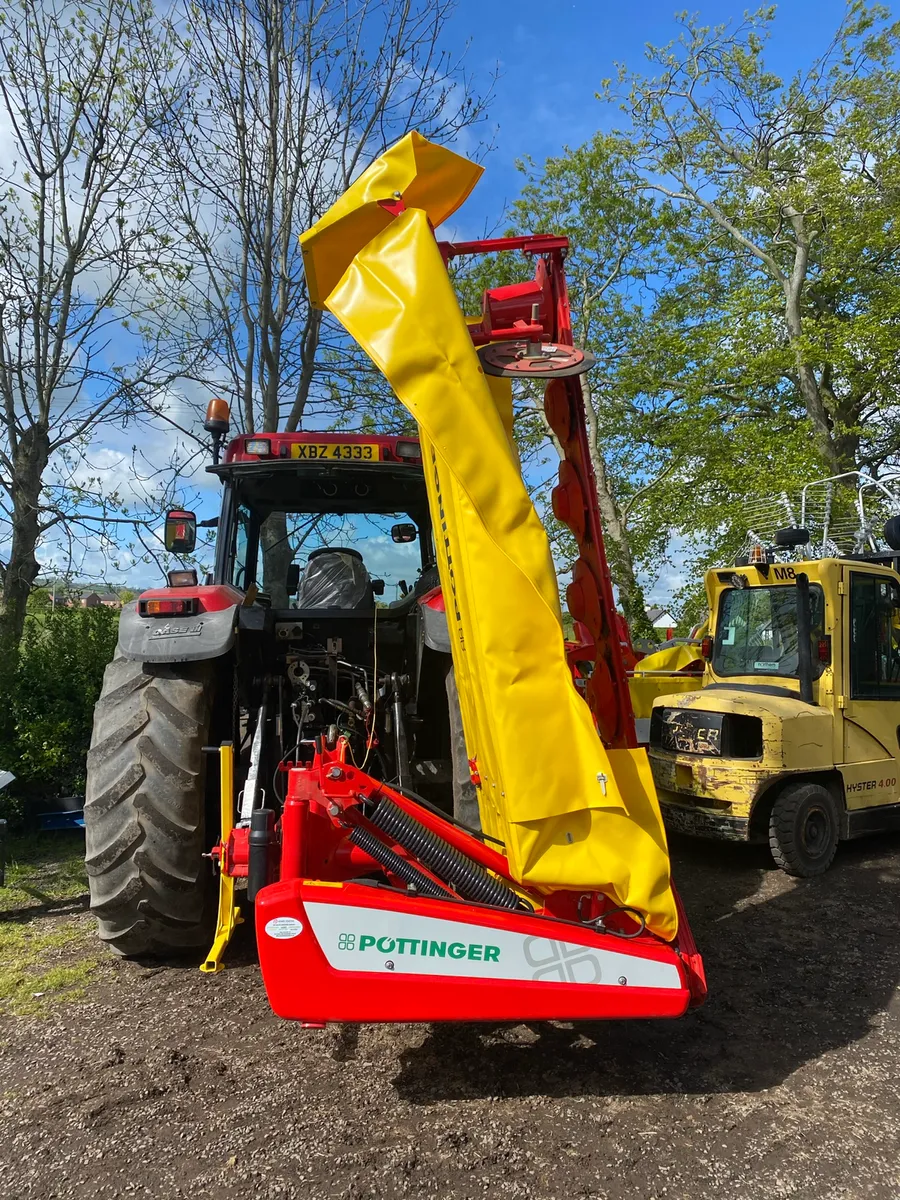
{"type": "Point", "coordinates": [335, 577]}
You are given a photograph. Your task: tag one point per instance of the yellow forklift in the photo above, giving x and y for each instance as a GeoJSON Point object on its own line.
{"type": "Point", "coordinates": [794, 736]}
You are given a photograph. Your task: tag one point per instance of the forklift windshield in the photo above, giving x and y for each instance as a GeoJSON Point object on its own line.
{"type": "Point", "coordinates": [756, 632]}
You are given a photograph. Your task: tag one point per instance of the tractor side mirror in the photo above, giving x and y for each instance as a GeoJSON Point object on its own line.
{"type": "Point", "coordinates": [292, 583]}
{"type": "Point", "coordinates": [405, 532]}
{"type": "Point", "coordinates": [403, 586]}
{"type": "Point", "coordinates": [378, 587]}
{"type": "Point", "coordinates": [180, 535]}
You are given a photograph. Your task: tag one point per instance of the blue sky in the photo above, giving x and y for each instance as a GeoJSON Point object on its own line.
{"type": "Point", "coordinates": [553, 58]}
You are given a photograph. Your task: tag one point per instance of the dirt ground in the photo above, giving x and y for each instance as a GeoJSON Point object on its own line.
{"type": "Point", "coordinates": [165, 1083]}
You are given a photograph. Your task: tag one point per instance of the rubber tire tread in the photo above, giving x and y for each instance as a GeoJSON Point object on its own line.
{"type": "Point", "coordinates": [788, 855]}
{"type": "Point", "coordinates": [144, 811]}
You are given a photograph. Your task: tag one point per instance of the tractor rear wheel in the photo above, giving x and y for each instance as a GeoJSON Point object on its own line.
{"type": "Point", "coordinates": [144, 810]}
{"type": "Point", "coordinates": [803, 829]}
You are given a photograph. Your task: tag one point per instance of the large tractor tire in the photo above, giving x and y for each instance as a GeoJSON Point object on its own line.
{"type": "Point", "coordinates": [145, 805]}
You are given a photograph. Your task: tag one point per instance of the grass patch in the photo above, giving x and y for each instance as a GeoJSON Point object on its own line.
{"type": "Point", "coordinates": [47, 947]}
{"type": "Point", "coordinates": [43, 869]}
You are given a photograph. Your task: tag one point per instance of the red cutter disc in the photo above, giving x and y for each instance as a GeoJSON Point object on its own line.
{"type": "Point", "coordinates": [534, 359]}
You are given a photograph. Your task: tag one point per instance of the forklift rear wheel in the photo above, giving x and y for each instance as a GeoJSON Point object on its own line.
{"type": "Point", "coordinates": [144, 811]}
{"type": "Point", "coordinates": [803, 829]}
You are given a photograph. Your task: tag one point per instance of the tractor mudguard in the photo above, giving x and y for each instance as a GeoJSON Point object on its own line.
{"type": "Point", "coordinates": [176, 639]}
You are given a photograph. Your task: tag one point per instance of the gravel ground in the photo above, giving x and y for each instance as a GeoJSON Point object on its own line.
{"type": "Point", "coordinates": [165, 1083]}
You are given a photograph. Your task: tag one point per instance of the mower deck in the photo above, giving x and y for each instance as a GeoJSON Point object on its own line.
{"type": "Point", "coordinates": [345, 936]}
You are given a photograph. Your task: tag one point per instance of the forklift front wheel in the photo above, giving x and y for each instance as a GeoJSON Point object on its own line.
{"type": "Point", "coordinates": [803, 829]}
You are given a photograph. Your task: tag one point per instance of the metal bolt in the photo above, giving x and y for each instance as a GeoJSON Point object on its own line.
{"type": "Point", "coordinates": [603, 780]}
{"type": "Point", "coordinates": [334, 809]}
{"type": "Point", "coordinates": [389, 964]}
{"type": "Point", "coordinates": [335, 773]}
{"type": "Point", "coordinates": [622, 979]}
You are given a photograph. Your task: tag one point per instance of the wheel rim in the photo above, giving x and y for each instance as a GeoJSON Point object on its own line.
{"type": "Point", "coordinates": [816, 832]}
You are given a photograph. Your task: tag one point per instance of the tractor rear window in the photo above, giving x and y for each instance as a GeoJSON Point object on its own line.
{"type": "Point", "coordinates": [756, 633]}
{"type": "Point", "coordinates": [327, 559]}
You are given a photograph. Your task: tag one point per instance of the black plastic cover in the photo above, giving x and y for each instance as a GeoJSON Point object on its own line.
{"type": "Point", "coordinates": [335, 579]}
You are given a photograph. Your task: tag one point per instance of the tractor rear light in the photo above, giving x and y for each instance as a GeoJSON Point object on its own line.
{"type": "Point", "coordinates": [823, 650]}
{"type": "Point", "coordinates": [168, 608]}
{"type": "Point", "coordinates": [260, 446]}
{"type": "Point", "coordinates": [408, 450]}
{"type": "Point", "coordinates": [706, 647]}
{"type": "Point", "coordinates": [182, 578]}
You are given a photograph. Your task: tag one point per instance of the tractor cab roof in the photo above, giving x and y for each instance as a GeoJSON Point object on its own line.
{"type": "Point", "coordinates": [323, 473]}
{"type": "Point", "coordinates": [345, 449]}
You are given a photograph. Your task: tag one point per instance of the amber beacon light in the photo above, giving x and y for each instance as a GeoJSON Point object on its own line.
{"type": "Point", "coordinates": [218, 422]}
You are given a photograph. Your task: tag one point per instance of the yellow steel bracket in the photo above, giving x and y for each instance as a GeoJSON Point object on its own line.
{"type": "Point", "coordinates": [229, 915]}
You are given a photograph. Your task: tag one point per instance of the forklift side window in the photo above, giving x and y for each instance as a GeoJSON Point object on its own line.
{"type": "Point", "coordinates": [874, 637]}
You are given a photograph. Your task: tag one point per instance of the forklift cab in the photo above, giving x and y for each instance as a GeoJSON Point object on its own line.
{"type": "Point", "coordinates": [754, 756]}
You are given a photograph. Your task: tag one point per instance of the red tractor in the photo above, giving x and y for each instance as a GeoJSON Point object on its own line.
{"type": "Point", "coordinates": [294, 724]}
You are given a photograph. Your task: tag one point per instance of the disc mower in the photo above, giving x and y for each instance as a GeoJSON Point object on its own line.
{"type": "Point", "coordinates": [426, 818]}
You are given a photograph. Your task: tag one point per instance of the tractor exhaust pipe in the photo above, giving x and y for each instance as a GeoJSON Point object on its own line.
{"type": "Point", "coordinates": [804, 638]}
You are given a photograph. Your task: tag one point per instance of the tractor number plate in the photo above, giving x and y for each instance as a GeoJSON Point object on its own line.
{"type": "Point", "coordinates": [345, 451]}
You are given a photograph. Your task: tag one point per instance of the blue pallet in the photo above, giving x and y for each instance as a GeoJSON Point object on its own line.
{"type": "Point", "coordinates": [62, 820]}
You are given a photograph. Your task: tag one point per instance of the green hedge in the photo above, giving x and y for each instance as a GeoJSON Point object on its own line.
{"type": "Point", "coordinates": [48, 689]}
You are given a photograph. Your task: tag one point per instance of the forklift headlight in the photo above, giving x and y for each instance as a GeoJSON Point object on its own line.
{"type": "Point", "coordinates": [408, 450]}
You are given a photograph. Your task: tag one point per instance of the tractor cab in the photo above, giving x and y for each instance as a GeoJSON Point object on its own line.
{"type": "Point", "coordinates": [793, 736]}
{"type": "Point", "coordinates": [324, 549]}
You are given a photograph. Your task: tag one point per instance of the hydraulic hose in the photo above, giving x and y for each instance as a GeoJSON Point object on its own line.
{"type": "Point", "coordinates": [395, 863]}
{"type": "Point", "coordinates": [466, 877]}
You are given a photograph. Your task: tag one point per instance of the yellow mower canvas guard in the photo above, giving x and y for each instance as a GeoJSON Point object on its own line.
{"type": "Point", "coordinates": [571, 814]}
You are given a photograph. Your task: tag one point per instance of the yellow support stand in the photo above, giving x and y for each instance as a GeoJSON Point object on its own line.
{"type": "Point", "coordinates": [229, 916]}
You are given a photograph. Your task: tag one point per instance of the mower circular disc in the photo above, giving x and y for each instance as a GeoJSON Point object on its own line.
{"type": "Point", "coordinates": [517, 359]}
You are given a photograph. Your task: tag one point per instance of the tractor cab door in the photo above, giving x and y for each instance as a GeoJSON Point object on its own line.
{"type": "Point", "coordinates": [868, 735]}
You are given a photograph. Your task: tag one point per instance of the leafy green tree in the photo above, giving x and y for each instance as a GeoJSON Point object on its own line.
{"type": "Point", "coordinates": [734, 267]}
{"type": "Point", "coordinates": [786, 244]}
{"type": "Point", "coordinates": [39, 600]}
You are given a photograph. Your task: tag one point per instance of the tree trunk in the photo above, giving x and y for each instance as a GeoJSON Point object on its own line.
{"type": "Point", "coordinates": [810, 392]}
{"type": "Point", "coordinates": [615, 531]}
{"type": "Point", "coordinates": [29, 463]}
{"type": "Point", "coordinates": [278, 554]}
